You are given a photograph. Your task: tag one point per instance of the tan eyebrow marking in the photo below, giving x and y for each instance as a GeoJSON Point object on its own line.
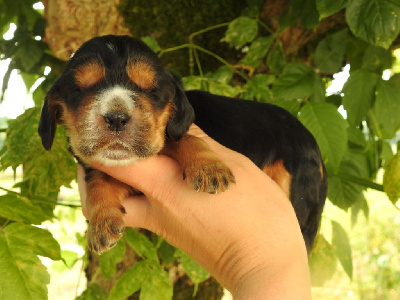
{"type": "Point", "coordinates": [89, 74]}
{"type": "Point", "coordinates": [141, 73]}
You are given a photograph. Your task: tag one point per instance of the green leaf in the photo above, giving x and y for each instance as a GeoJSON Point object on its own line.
{"type": "Point", "coordinates": [109, 259]}
{"type": "Point", "coordinates": [257, 50]}
{"type": "Point", "coordinates": [241, 31]}
{"type": "Point", "coordinates": [341, 245]}
{"type": "Point", "coordinates": [196, 272]}
{"type": "Point", "coordinates": [318, 93]}
{"type": "Point", "coordinates": [192, 82]}
{"type": "Point", "coordinates": [93, 292]}
{"type": "Point", "coordinates": [297, 81]}
{"type": "Point", "coordinates": [23, 275]}
{"type": "Point", "coordinates": [387, 106]}
{"type": "Point", "coordinates": [330, 51]}
{"type": "Point", "coordinates": [29, 79]}
{"type": "Point", "coordinates": [223, 74]}
{"type": "Point", "coordinates": [391, 178]}
{"type": "Point", "coordinates": [224, 89]}
{"type": "Point", "coordinates": [166, 252]}
{"type": "Point", "coordinates": [216, 83]}
{"type": "Point", "coordinates": [130, 282]}
{"type": "Point", "coordinates": [376, 59]}
{"type": "Point", "coordinates": [305, 10]}
{"type": "Point", "coordinates": [361, 205]}
{"type": "Point", "coordinates": [141, 244]}
{"type": "Point", "coordinates": [157, 285]}
{"type": "Point", "coordinates": [69, 259]}
{"type": "Point", "coordinates": [329, 7]}
{"type": "Point", "coordinates": [30, 53]}
{"type": "Point", "coordinates": [37, 240]}
{"type": "Point", "coordinates": [152, 43]}
{"type": "Point", "coordinates": [257, 88]}
{"type": "Point", "coordinates": [334, 99]}
{"type": "Point", "coordinates": [356, 137]}
{"type": "Point", "coordinates": [359, 92]}
{"type": "Point", "coordinates": [342, 192]}
{"type": "Point", "coordinates": [291, 106]}
{"type": "Point", "coordinates": [276, 60]}
{"type": "Point", "coordinates": [332, 140]}
{"type": "Point", "coordinates": [44, 171]}
{"type": "Point", "coordinates": [322, 261]}
{"type": "Point", "coordinates": [21, 209]}
{"type": "Point", "coordinates": [376, 22]}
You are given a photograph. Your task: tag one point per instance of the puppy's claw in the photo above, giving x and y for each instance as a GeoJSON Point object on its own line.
{"type": "Point", "coordinates": [105, 229]}
{"type": "Point", "coordinates": [212, 177]}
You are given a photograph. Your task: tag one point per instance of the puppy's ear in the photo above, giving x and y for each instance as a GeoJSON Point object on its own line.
{"type": "Point", "coordinates": [48, 120]}
{"type": "Point", "coordinates": [183, 115]}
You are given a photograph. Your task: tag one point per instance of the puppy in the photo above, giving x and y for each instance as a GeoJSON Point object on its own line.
{"type": "Point", "coordinates": [119, 104]}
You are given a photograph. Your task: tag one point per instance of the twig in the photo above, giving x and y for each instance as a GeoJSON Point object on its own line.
{"type": "Point", "coordinates": [40, 199]}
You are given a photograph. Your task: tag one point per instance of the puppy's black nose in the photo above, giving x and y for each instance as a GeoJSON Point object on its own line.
{"type": "Point", "coordinates": [116, 120]}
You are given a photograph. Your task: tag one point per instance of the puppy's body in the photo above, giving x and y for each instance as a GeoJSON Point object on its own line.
{"type": "Point", "coordinates": [119, 104]}
{"type": "Point", "coordinates": [276, 142]}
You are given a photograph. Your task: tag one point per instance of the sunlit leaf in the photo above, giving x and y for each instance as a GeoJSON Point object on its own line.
{"type": "Point", "coordinates": [23, 275]}
{"type": "Point", "coordinates": [391, 179]}
{"type": "Point", "coordinates": [341, 245]}
{"type": "Point", "coordinates": [387, 105]}
{"type": "Point", "coordinates": [241, 31]}
{"type": "Point", "coordinates": [110, 259]}
{"type": "Point", "coordinates": [44, 171]}
{"type": "Point", "coordinates": [157, 285]}
{"type": "Point", "coordinates": [196, 272]}
{"type": "Point", "coordinates": [322, 261]}
{"type": "Point", "coordinates": [152, 43]}
{"type": "Point", "coordinates": [130, 282]}
{"type": "Point", "coordinates": [19, 208]}
{"type": "Point", "coordinates": [223, 89]}
{"type": "Point", "coordinates": [141, 244]}
{"type": "Point", "coordinates": [93, 292]}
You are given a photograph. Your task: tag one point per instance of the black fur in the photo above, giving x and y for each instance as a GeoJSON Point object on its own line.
{"type": "Point", "coordinates": [266, 133]}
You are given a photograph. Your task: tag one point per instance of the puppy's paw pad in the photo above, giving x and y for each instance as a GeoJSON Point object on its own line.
{"type": "Point", "coordinates": [105, 229]}
{"type": "Point", "coordinates": [213, 177]}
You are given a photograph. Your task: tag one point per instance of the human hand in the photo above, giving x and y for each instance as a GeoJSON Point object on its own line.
{"type": "Point", "coordinates": [248, 238]}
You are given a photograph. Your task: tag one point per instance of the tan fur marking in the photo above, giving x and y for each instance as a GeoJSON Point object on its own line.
{"type": "Point", "coordinates": [89, 74]}
{"type": "Point", "coordinates": [321, 171]}
{"type": "Point", "coordinates": [201, 166]}
{"type": "Point", "coordinates": [141, 74]}
{"type": "Point", "coordinates": [280, 175]}
{"type": "Point", "coordinates": [106, 213]}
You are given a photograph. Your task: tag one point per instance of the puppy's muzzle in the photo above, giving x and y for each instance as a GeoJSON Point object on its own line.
{"type": "Point", "coordinates": [116, 120]}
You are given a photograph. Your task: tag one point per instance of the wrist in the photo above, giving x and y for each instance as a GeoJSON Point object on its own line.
{"type": "Point", "coordinates": [283, 280]}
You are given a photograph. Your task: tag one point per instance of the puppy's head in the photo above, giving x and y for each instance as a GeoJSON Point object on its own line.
{"type": "Point", "coordinates": [117, 102]}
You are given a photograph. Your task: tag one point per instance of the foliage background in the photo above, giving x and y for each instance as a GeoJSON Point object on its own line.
{"type": "Point", "coordinates": [283, 52]}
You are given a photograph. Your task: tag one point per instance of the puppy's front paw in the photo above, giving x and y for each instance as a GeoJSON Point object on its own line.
{"type": "Point", "coordinates": [209, 175]}
{"type": "Point", "coordinates": [105, 229]}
